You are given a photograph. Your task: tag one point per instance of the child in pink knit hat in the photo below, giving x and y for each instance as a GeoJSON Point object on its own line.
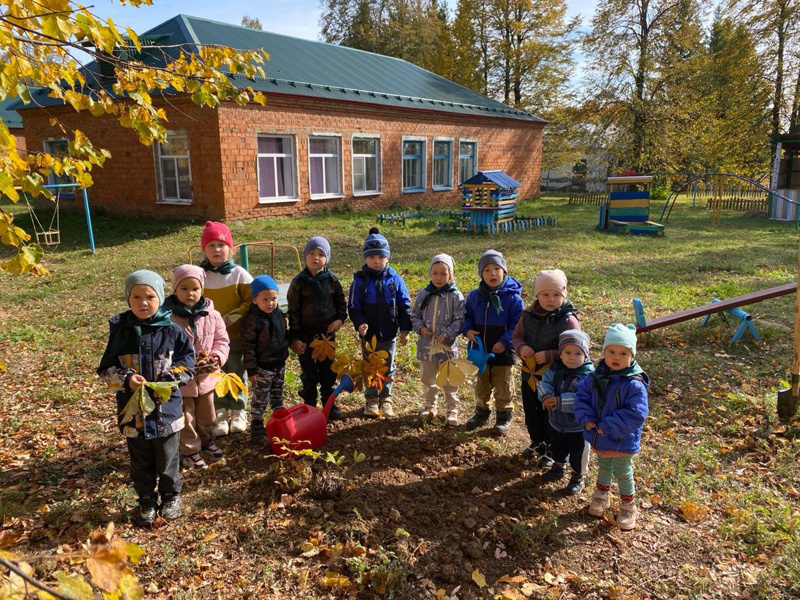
{"type": "Point", "coordinates": [536, 338]}
{"type": "Point", "coordinates": [206, 329]}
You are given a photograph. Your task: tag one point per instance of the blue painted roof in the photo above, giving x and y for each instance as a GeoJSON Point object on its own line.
{"type": "Point", "coordinates": [300, 67]}
{"type": "Point", "coordinates": [498, 177]}
{"type": "Point", "coordinates": [9, 117]}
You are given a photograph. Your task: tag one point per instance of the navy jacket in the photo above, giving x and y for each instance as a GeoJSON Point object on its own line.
{"type": "Point", "coordinates": [493, 327]}
{"type": "Point", "coordinates": [562, 417]}
{"type": "Point", "coordinates": [619, 413]}
{"type": "Point", "coordinates": [265, 340]}
{"type": "Point", "coordinates": [164, 354]}
{"type": "Point", "coordinates": [384, 313]}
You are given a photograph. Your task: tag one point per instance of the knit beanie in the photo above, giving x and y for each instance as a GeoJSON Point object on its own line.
{"type": "Point", "coordinates": [375, 244]}
{"type": "Point", "coordinates": [184, 271]}
{"type": "Point", "coordinates": [621, 335]}
{"type": "Point", "coordinates": [491, 257]}
{"type": "Point", "coordinates": [216, 232]}
{"type": "Point", "coordinates": [318, 242]}
{"type": "Point", "coordinates": [553, 280]}
{"type": "Point", "coordinates": [447, 260]}
{"type": "Point", "coordinates": [261, 283]}
{"type": "Point", "coordinates": [576, 337]}
{"type": "Point", "coordinates": [145, 277]}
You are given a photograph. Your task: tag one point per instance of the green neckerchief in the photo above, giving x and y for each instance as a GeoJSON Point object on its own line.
{"type": "Point", "coordinates": [367, 272]}
{"type": "Point", "coordinates": [560, 371]}
{"type": "Point", "coordinates": [130, 329]}
{"type": "Point", "coordinates": [272, 318]}
{"type": "Point", "coordinates": [377, 275]}
{"type": "Point", "coordinates": [224, 269]}
{"type": "Point", "coordinates": [602, 375]}
{"type": "Point", "coordinates": [432, 290]}
{"type": "Point", "coordinates": [317, 279]}
{"type": "Point", "coordinates": [565, 309]}
{"type": "Point", "coordinates": [180, 309]}
{"type": "Point", "coordinates": [491, 294]}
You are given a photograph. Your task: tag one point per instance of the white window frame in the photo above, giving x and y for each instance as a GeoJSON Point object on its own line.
{"type": "Point", "coordinates": [292, 168]}
{"type": "Point", "coordinates": [326, 194]}
{"type": "Point", "coordinates": [162, 192]}
{"type": "Point", "coordinates": [474, 158]}
{"type": "Point", "coordinates": [51, 176]}
{"type": "Point", "coordinates": [423, 164]}
{"type": "Point", "coordinates": [378, 163]}
{"type": "Point", "coordinates": [449, 186]}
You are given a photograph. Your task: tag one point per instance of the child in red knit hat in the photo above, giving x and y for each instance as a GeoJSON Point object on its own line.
{"type": "Point", "coordinates": [228, 286]}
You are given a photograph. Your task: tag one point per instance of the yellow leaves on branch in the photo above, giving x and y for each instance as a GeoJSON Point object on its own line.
{"type": "Point", "coordinates": [455, 371]}
{"type": "Point", "coordinates": [366, 372]}
{"type": "Point", "coordinates": [324, 348]}
{"type": "Point", "coordinates": [534, 374]}
{"type": "Point", "coordinates": [141, 402]}
{"type": "Point", "coordinates": [229, 384]}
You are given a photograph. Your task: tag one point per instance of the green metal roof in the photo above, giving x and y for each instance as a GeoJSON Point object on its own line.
{"type": "Point", "coordinates": [300, 67]}
{"type": "Point", "coordinates": [9, 117]}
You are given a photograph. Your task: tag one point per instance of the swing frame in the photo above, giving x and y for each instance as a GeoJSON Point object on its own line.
{"type": "Point", "coordinates": [52, 237]}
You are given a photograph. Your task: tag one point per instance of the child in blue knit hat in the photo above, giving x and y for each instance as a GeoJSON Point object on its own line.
{"type": "Point", "coordinates": [379, 305]}
{"type": "Point", "coordinates": [265, 348]}
{"type": "Point", "coordinates": [611, 405]}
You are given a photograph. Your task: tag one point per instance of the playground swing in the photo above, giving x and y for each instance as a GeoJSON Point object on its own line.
{"type": "Point", "coordinates": [52, 235]}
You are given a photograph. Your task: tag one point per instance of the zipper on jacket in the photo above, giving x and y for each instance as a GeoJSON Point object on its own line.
{"type": "Point", "coordinates": [435, 310]}
{"type": "Point", "coordinates": [485, 325]}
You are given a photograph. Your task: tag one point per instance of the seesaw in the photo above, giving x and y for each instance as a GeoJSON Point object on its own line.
{"type": "Point", "coordinates": [728, 305]}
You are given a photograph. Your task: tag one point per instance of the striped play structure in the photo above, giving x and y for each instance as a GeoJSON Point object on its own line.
{"type": "Point", "coordinates": [627, 208]}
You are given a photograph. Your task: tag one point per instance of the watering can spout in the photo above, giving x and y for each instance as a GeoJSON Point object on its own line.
{"type": "Point", "coordinates": [477, 355]}
{"type": "Point", "coordinates": [346, 384]}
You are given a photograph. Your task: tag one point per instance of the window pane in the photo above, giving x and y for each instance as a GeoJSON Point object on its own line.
{"type": "Point", "coordinates": [442, 148]}
{"type": "Point", "coordinates": [371, 173]}
{"type": "Point", "coordinates": [359, 183]}
{"type": "Point", "coordinates": [273, 145]}
{"type": "Point", "coordinates": [266, 177]}
{"type": "Point", "coordinates": [411, 173]}
{"type": "Point", "coordinates": [412, 148]}
{"type": "Point", "coordinates": [317, 184]}
{"type": "Point", "coordinates": [184, 179]}
{"type": "Point", "coordinates": [440, 175]}
{"type": "Point", "coordinates": [169, 177]}
{"type": "Point", "coordinates": [285, 179]}
{"type": "Point", "coordinates": [323, 146]}
{"type": "Point", "coordinates": [466, 149]}
{"type": "Point", "coordinates": [175, 145]}
{"type": "Point", "coordinates": [58, 147]}
{"type": "Point", "coordinates": [466, 169]}
{"type": "Point", "coordinates": [332, 175]}
{"type": "Point", "coordinates": [364, 146]}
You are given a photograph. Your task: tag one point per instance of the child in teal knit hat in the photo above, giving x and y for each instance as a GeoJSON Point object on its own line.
{"type": "Point", "coordinates": [611, 405]}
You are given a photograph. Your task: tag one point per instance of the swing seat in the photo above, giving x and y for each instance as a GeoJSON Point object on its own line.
{"type": "Point", "coordinates": [48, 238]}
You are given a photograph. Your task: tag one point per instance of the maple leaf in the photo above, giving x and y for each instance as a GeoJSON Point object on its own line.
{"type": "Point", "coordinates": [534, 371]}
{"type": "Point", "coordinates": [324, 348]}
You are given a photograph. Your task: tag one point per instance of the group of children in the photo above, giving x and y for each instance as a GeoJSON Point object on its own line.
{"type": "Point", "coordinates": [219, 318]}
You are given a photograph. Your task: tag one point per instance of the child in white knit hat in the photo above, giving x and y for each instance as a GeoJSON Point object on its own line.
{"type": "Point", "coordinates": [437, 316]}
{"type": "Point", "coordinates": [536, 336]}
{"type": "Point", "coordinates": [611, 405]}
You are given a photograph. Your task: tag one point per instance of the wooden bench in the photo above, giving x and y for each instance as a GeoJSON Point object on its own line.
{"type": "Point", "coordinates": [630, 211]}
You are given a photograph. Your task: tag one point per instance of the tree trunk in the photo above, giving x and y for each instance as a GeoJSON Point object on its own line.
{"type": "Point", "coordinates": [637, 149]}
{"type": "Point", "coordinates": [777, 99]}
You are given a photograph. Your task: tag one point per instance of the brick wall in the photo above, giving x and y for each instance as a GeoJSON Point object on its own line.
{"type": "Point", "coordinates": [19, 136]}
{"type": "Point", "coordinates": [223, 149]}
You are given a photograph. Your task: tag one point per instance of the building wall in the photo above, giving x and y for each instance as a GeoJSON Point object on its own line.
{"type": "Point", "coordinates": [223, 151]}
{"type": "Point", "coordinates": [19, 135]}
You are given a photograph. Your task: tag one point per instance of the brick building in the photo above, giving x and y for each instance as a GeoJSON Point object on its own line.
{"type": "Point", "coordinates": [340, 125]}
{"type": "Point", "coordinates": [13, 121]}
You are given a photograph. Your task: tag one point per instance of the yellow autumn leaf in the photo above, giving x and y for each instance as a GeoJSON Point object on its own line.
{"type": "Point", "coordinates": [440, 594]}
{"type": "Point", "coordinates": [479, 578]}
{"type": "Point", "coordinates": [74, 586]}
{"type": "Point", "coordinates": [229, 383]}
{"type": "Point", "coordinates": [3, 366]}
{"type": "Point", "coordinates": [324, 348]}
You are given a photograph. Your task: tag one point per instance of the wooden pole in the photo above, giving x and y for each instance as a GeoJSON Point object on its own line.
{"type": "Point", "coordinates": [796, 358]}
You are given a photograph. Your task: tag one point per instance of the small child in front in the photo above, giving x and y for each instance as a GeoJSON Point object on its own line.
{"type": "Point", "coordinates": [536, 335]}
{"type": "Point", "coordinates": [379, 306]}
{"type": "Point", "coordinates": [438, 315]}
{"type": "Point", "coordinates": [265, 348]}
{"type": "Point", "coordinates": [317, 308]}
{"type": "Point", "coordinates": [206, 330]}
{"type": "Point", "coordinates": [611, 405]}
{"type": "Point", "coordinates": [228, 286]}
{"type": "Point", "coordinates": [557, 390]}
{"type": "Point", "coordinates": [145, 345]}
{"type": "Point", "coordinates": [492, 312]}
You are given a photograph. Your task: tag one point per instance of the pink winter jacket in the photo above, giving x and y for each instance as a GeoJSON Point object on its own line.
{"type": "Point", "coordinates": [212, 336]}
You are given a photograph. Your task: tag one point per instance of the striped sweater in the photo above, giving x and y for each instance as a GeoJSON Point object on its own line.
{"type": "Point", "coordinates": [231, 296]}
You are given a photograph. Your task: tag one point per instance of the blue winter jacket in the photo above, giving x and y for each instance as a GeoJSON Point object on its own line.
{"type": "Point", "coordinates": [165, 353]}
{"type": "Point", "coordinates": [385, 314]}
{"type": "Point", "coordinates": [620, 413]}
{"type": "Point", "coordinates": [562, 417]}
{"type": "Point", "coordinates": [493, 327]}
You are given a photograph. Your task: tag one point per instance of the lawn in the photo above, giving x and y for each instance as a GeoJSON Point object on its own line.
{"type": "Point", "coordinates": [428, 510]}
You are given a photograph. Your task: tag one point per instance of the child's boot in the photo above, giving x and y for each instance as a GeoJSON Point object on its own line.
{"type": "Point", "coordinates": [258, 434]}
{"type": "Point", "coordinates": [211, 449]}
{"type": "Point", "coordinates": [193, 461]}
{"type": "Point", "coordinates": [371, 407]}
{"type": "Point", "coordinates": [238, 421]}
{"type": "Point", "coordinates": [171, 507]}
{"type": "Point", "coordinates": [220, 428]}
{"type": "Point", "coordinates": [479, 419]}
{"type": "Point", "coordinates": [575, 485]}
{"type": "Point", "coordinates": [336, 414]}
{"type": "Point", "coordinates": [452, 417]}
{"type": "Point", "coordinates": [600, 502]}
{"type": "Point", "coordinates": [428, 412]}
{"type": "Point", "coordinates": [146, 511]}
{"type": "Point", "coordinates": [556, 473]}
{"type": "Point", "coordinates": [386, 408]}
{"type": "Point", "coordinates": [628, 512]}
{"type": "Point", "coordinates": [502, 422]}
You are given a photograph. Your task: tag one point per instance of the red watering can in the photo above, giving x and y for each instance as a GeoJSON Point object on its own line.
{"type": "Point", "coordinates": [303, 427]}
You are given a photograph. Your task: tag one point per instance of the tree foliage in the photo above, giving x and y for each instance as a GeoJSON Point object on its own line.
{"type": "Point", "coordinates": [41, 45]}
{"type": "Point", "coordinates": [251, 22]}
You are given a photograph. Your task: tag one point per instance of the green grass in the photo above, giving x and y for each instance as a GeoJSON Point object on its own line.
{"type": "Point", "coordinates": [712, 438]}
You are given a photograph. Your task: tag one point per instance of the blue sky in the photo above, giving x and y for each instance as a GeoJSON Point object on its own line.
{"type": "Point", "coordinates": [298, 18]}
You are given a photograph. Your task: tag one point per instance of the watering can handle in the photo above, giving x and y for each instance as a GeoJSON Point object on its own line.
{"type": "Point", "coordinates": [478, 343]}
